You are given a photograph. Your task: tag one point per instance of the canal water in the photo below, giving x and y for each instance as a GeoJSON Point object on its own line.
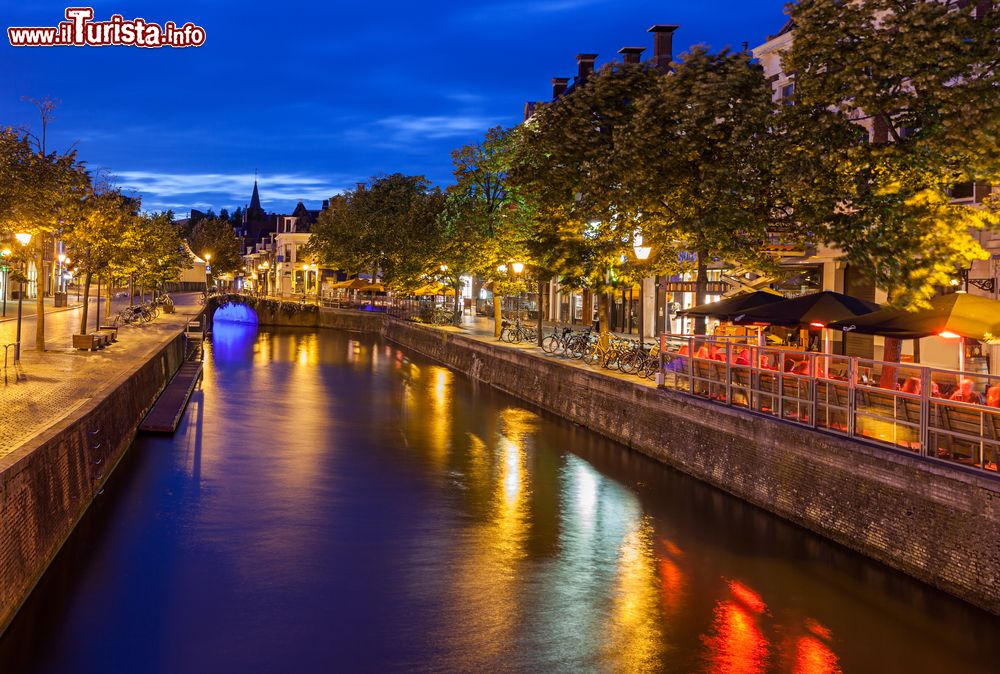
{"type": "Point", "coordinates": [332, 502]}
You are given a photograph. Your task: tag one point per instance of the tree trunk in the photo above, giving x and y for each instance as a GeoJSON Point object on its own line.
{"type": "Point", "coordinates": [86, 303]}
{"type": "Point", "coordinates": [497, 313]}
{"type": "Point", "coordinates": [891, 353]}
{"type": "Point", "coordinates": [131, 290]}
{"type": "Point", "coordinates": [40, 295]}
{"type": "Point", "coordinates": [701, 290]}
{"type": "Point", "coordinates": [97, 310]}
{"type": "Point", "coordinates": [458, 298]}
{"type": "Point", "coordinates": [540, 305]}
{"type": "Point", "coordinates": [603, 300]}
{"type": "Point", "coordinates": [107, 306]}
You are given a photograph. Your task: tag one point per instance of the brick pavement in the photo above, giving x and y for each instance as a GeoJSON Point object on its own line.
{"type": "Point", "coordinates": [481, 329]}
{"type": "Point", "coordinates": [47, 387]}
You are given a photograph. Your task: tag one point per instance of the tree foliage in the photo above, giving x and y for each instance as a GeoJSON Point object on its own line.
{"type": "Point", "coordinates": [697, 165]}
{"type": "Point", "coordinates": [215, 237]}
{"type": "Point", "coordinates": [388, 225]}
{"type": "Point", "coordinates": [920, 78]}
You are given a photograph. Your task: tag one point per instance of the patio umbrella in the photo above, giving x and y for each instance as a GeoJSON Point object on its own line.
{"type": "Point", "coordinates": [352, 284]}
{"type": "Point", "coordinates": [817, 310]}
{"type": "Point", "coordinates": [373, 287]}
{"type": "Point", "coordinates": [949, 316]}
{"type": "Point", "coordinates": [733, 306]}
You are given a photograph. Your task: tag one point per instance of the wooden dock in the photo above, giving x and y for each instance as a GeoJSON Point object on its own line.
{"type": "Point", "coordinates": [168, 409]}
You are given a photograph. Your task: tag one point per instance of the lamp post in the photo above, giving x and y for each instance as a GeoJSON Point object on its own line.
{"type": "Point", "coordinates": [208, 270]}
{"type": "Point", "coordinates": [5, 253]}
{"type": "Point", "coordinates": [641, 254]}
{"type": "Point", "coordinates": [265, 265]}
{"type": "Point", "coordinates": [62, 259]}
{"type": "Point", "coordinates": [24, 239]}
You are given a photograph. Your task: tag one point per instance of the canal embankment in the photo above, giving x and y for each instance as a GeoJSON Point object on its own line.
{"type": "Point", "coordinates": [49, 478]}
{"type": "Point", "coordinates": [932, 522]}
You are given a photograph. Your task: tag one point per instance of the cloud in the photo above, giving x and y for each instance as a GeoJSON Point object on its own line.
{"type": "Point", "coordinates": [185, 190]}
{"type": "Point", "coordinates": [409, 127]}
{"type": "Point", "coordinates": [516, 10]}
{"type": "Point", "coordinates": [411, 132]}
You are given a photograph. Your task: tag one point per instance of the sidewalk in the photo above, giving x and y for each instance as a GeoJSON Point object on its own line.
{"type": "Point", "coordinates": [30, 307]}
{"type": "Point", "coordinates": [481, 329]}
{"type": "Point", "coordinates": [46, 387]}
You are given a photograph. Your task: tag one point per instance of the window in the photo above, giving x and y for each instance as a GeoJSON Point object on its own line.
{"type": "Point", "coordinates": [787, 93]}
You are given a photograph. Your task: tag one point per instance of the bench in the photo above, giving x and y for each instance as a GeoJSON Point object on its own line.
{"type": "Point", "coordinates": [111, 329]}
{"type": "Point", "coordinates": [91, 342]}
{"type": "Point", "coordinates": [958, 433]}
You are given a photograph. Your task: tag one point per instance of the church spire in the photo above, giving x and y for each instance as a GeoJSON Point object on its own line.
{"type": "Point", "coordinates": [255, 198]}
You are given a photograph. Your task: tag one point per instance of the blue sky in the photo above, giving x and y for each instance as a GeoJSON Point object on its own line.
{"type": "Point", "coordinates": [319, 95]}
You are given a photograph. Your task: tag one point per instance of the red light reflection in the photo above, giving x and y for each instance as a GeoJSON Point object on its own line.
{"type": "Point", "coordinates": [738, 646]}
{"type": "Point", "coordinates": [812, 656]}
{"type": "Point", "coordinates": [747, 597]}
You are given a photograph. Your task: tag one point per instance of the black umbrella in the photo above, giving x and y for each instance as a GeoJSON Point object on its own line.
{"type": "Point", "coordinates": [732, 306]}
{"type": "Point", "coordinates": [817, 310]}
{"type": "Point", "coordinates": [955, 315]}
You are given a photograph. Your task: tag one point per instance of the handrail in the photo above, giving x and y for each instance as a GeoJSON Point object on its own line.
{"type": "Point", "coordinates": [846, 395]}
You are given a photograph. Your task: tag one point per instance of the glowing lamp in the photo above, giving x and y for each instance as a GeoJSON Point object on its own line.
{"type": "Point", "coordinates": [62, 258]}
{"type": "Point", "coordinates": [502, 268]}
{"type": "Point", "coordinates": [815, 324]}
{"type": "Point", "coordinates": [23, 238]}
{"type": "Point", "coordinates": [208, 257]}
{"type": "Point", "coordinates": [642, 252]}
{"type": "Point", "coordinates": [67, 261]}
{"type": "Point", "coordinates": [444, 267]}
{"type": "Point", "coordinates": [5, 252]}
{"type": "Point", "coordinates": [517, 267]}
{"type": "Point", "coordinates": [947, 334]}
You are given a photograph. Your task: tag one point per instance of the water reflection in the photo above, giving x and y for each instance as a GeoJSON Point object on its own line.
{"type": "Point", "coordinates": [332, 502]}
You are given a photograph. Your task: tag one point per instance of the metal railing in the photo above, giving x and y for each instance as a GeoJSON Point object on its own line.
{"type": "Point", "coordinates": [942, 415]}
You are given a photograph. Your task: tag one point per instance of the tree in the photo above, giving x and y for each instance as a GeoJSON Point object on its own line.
{"type": "Point", "coordinates": [696, 165]}
{"type": "Point", "coordinates": [921, 76]}
{"type": "Point", "coordinates": [478, 236]}
{"type": "Point", "coordinates": [39, 197]}
{"type": "Point", "coordinates": [566, 179]}
{"type": "Point", "coordinates": [95, 240]}
{"type": "Point", "coordinates": [387, 226]}
{"type": "Point", "coordinates": [155, 254]}
{"type": "Point", "coordinates": [216, 238]}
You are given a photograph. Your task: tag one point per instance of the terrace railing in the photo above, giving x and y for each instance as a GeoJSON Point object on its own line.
{"type": "Point", "coordinates": [935, 413]}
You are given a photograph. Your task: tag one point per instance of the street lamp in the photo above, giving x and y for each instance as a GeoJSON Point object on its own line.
{"type": "Point", "coordinates": [62, 259]}
{"type": "Point", "coordinates": [24, 239]}
{"type": "Point", "coordinates": [4, 254]}
{"type": "Point", "coordinates": [641, 254]}
{"type": "Point", "coordinates": [208, 270]}
{"type": "Point", "coordinates": [518, 267]}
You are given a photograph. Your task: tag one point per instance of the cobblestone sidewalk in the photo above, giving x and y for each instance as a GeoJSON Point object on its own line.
{"type": "Point", "coordinates": [49, 386]}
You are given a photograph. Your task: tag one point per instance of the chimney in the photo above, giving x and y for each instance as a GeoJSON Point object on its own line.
{"type": "Point", "coordinates": [631, 54]}
{"type": "Point", "coordinates": [559, 85]}
{"type": "Point", "coordinates": [663, 44]}
{"type": "Point", "coordinates": [585, 66]}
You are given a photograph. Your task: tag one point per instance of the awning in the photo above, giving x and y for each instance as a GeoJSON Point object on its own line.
{"type": "Point", "coordinates": [817, 310]}
{"type": "Point", "coordinates": [955, 315]}
{"type": "Point", "coordinates": [352, 284]}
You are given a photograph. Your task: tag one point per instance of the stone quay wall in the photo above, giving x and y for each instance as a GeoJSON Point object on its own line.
{"type": "Point", "coordinates": [47, 484]}
{"type": "Point", "coordinates": [935, 523]}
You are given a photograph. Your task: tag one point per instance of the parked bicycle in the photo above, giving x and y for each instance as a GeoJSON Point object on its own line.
{"type": "Point", "coordinates": [515, 333]}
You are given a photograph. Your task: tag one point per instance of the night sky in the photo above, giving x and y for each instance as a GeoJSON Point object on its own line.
{"type": "Point", "coordinates": [319, 95]}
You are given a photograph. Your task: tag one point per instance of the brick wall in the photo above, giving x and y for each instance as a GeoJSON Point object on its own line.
{"type": "Point", "coordinates": [47, 484]}
{"type": "Point", "coordinates": [934, 523]}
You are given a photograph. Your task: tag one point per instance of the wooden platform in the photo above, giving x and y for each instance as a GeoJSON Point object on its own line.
{"type": "Point", "coordinates": [168, 409]}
